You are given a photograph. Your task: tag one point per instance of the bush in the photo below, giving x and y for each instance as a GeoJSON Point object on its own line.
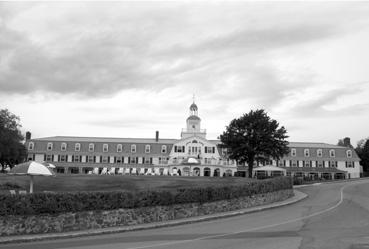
{"type": "Point", "coordinates": [54, 203]}
{"type": "Point", "coordinates": [8, 185]}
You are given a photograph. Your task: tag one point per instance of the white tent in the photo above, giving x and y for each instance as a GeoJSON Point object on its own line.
{"type": "Point", "coordinates": [120, 171]}
{"type": "Point", "coordinates": [165, 171]}
{"type": "Point", "coordinates": [134, 171]}
{"type": "Point", "coordinates": [157, 171]}
{"type": "Point", "coordinates": [142, 171]}
{"type": "Point", "coordinates": [149, 172]}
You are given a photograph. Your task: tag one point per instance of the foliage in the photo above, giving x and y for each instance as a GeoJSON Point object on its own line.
{"type": "Point", "coordinates": [53, 203]}
{"type": "Point", "coordinates": [362, 151]}
{"type": "Point", "coordinates": [12, 151]}
{"type": "Point", "coordinates": [345, 142]}
{"type": "Point", "coordinates": [9, 185]}
{"type": "Point", "coordinates": [254, 136]}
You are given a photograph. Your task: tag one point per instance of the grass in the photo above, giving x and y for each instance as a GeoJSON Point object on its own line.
{"type": "Point", "coordinates": [72, 183]}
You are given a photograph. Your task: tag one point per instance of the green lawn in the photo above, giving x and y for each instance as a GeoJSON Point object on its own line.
{"type": "Point", "coordinates": [71, 183]}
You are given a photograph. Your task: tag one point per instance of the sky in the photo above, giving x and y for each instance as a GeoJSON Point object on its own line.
{"type": "Point", "coordinates": [127, 69]}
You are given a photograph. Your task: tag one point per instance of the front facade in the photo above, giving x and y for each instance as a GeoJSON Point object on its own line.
{"type": "Point", "coordinates": [191, 155]}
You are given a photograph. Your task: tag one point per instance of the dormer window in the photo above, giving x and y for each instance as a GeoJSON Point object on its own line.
{"type": "Point", "coordinates": [119, 148]}
{"type": "Point", "coordinates": [91, 147]}
{"type": "Point", "coordinates": [77, 147]}
{"type": "Point", "coordinates": [332, 153]}
{"type": "Point", "coordinates": [63, 147]}
{"type": "Point", "coordinates": [105, 147]}
{"type": "Point", "coordinates": [293, 152]}
{"type": "Point", "coordinates": [319, 152]}
{"type": "Point", "coordinates": [49, 146]}
{"type": "Point", "coordinates": [133, 148]}
{"type": "Point", "coordinates": [147, 148]}
{"type": "Point", "coordinates": [306, 152]}
{"type": "Point", "coordinates": [163, 149]}
{"type": "Point", "coordinates": [349, 153]}
{"type": "Point", "coordinates": [31, 145]}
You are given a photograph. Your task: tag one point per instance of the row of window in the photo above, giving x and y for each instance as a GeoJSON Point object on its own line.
{"type": "Point", "coordinates": [318, 164]}
{"type": "Point", "coordinates": [102, 159]}
{"type": "Point", "coordinates": [91, 147]}
{"type": "Point", "coordinates": [319, 153]}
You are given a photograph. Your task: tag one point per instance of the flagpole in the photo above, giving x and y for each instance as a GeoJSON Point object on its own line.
{"type": "Point", "coordinates": [31, 185]}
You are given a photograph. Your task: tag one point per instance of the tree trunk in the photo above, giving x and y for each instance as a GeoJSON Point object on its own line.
{"type": "Point", "coordinates": [250, 164]}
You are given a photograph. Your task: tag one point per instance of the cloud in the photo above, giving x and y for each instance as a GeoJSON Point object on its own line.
{"type": "Point", "coordinates": [98, 50]}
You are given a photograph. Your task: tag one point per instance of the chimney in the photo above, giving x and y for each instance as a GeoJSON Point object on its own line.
{"type": "Point", "coordinates": [157, 136]}
{"type": "Point", "coordinates": [346, 142]}
{"type": "Point", "coordinates": [28, 135]}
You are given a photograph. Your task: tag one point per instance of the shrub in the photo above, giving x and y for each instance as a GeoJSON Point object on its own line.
{"type": "Point", "coordinates": [8, 185]}
{"type": "Point", "coordinates": [53, 203]}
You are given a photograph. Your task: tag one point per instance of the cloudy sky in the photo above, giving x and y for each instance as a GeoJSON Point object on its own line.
{"type": "Point", "coordinates": [125, 69]}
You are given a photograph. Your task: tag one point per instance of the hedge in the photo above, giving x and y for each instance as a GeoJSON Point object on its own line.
{"type": "Point", "coordinates": [54, 203]}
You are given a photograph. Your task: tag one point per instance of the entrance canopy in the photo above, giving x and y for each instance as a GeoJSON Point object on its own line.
{"type": "Point", "coordinates": [269, 168]}
{"type": "Point", "coordinates": [191, 161]}
{"type": "Point", "coordinates": [268, 171]}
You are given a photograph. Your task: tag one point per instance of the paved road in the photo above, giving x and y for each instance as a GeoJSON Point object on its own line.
{"type": "Point", "coordinates": [333, 216]}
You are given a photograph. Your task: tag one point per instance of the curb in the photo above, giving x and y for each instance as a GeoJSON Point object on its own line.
{"type": "Point", "coordinates": [38, 237]}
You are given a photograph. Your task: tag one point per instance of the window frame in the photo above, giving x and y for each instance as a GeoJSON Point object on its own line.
{"type": "Point", "coordinates": [319, 153]}
{"type": "Point", "coordinates": [105, 147]}
{"type": "Point", "coordinates": [332, 154]}
{"type": "Point", "coordinates": [49, 148]}
{"type": "Point", "coordinates": [147, 148]}
{"type": "Point", "coordinates": [65, 146]}
{"type": "Point", "coordinates": [293, 152]}
{"type": "Point", "coordinates": [133, 148]}
{"type": "Point", "coordinates": [306, 153]}
{"type": "Point", "coordinates": [91, 145]}
{"type": "Point", "coordinates": [163, 149]}
{"type": "Point", "coordinates": [31, 145]}
{"type": "Point", "coordinates": [119, 148]}
{"type": "Point", "coordinates": [77, 145]}
{"type": "Point", "coordinates": [349, 153]}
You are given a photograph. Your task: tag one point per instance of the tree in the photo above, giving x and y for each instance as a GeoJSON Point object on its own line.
{"type": "Point", "coordinates": [12, 150]}
{"type": "Point", "coordinates": [345, 142]}
{"type": "Point", "coordinates": [254, 137]}
{"type": "Point", "coordinates": [362, 151]}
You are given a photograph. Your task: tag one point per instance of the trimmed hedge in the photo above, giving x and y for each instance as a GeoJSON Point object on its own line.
{"type": "Point", "coordinates": [54, 203]}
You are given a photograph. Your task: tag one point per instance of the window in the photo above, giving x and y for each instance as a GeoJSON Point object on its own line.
{"type": "Point", "coordinates": [119, 148]}
{"type": "Point", "coordinates": [319, 152]}
{"type": "Point", "coordinates": [63, 158]}
{"type": "Point", "coordinates": [147, 148]}
{"type": "Point", "coordinates": [147, 160]}
{"type": "Point", "coordinates": [49, 158]}
{"type": "Point", "coordinates": [31, 145]}
{"type": "Point", "coordinates": [133, 148]}
{"type": "Point", "coordinates": [63, 147]}
{"type": "Point", "coordinates": [76, 159]}
{"type": "Point", "coordinates": [91, 159]}
{"type": "Point", "coordinates": [306, 152]}
{"type": "Point", "coordinates": [332, 153]}
{"type": "Point", "coordinates": [179, 149]}
{"type": "Point", "coordinates": [349, 153]}
{"type": "Point", "coordinates": [163, 160]}
{"type": "Point", "coordinates": [118, 159]}
{"type": "Point", "coordinates": [105, 159]}
{"type": "Point", "coordinates": [293, 152]}
{"type": "Point", "coordinates": [91, 147]}
{"type": "Point", "coordinates": [133, 160]}
{"type": "Point", "coordinates": [77, 147]}
{"type": "Point", "coordinates": [350, 165]}
{"type": "Point", "coordinates": [307, 164]}
{"type": "Point", "coordinates": [49, 146]}
{"type": "Point", "coordinates": [293, 163]}
{"type": "Point", "coordinates": [163, 149]}
{"type": "Point", "coordinates": [105, 147]}
{"type": "Point", "coordinates": [320, 164]}
{"type": "Point", "coordinates": [209, 149]}
{"type": "Point", "coordinates": [332, 164]}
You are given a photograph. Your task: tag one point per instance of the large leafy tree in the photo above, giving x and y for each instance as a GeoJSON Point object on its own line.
{"type": "Point", "coordinates": [254, 137]}
{"type": "Point", "coordinates": [12, 150]}
{"type": "Point", "coordinates": [362, 151]}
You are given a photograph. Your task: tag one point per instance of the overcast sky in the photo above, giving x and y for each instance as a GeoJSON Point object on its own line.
{"type": "Point", "coordinates": [125, 69]}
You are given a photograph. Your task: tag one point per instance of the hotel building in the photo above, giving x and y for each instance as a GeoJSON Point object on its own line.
{"type": "Point", "coordinates": [191, 155]}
